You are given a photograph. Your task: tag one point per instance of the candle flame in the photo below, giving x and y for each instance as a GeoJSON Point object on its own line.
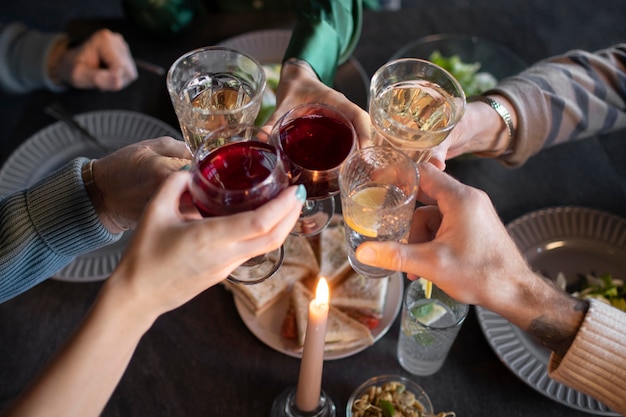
{"type": "Point", "coordinates": [322, 291]}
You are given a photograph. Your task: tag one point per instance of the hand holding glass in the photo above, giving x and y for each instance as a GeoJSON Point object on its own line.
{"type": "Point", "coordinates": [414, 104]}
{"type": "Point", "coordinates": [212, 87]}
{"type": "Point", "coordinates": [378, 190]}
{"type": "Point", "coordinates": [242, 174]}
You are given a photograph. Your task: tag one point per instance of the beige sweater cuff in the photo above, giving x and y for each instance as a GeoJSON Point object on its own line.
{"type": "Point", "coordinates": [596, 362]}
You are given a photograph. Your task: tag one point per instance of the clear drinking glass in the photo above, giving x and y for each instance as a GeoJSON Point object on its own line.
{"type": "Point", "coordinates": [378, 190]}
{"type": "Point", "coordinates": [212, 87]}
{"type": "Point", "coordinates": [316, 139]}
{"type": "Point", "coordinates": [242, 174]}
{"type": "Point", "coordinates": [414, 104]}
{"type": "Point", "coordinates": [429, 327]}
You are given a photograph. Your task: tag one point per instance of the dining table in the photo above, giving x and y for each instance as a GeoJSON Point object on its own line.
{"type": "Point", "coordinates": [201, 359]}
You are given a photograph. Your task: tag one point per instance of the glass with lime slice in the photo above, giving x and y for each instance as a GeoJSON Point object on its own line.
{"type": "Point", "coordinates": [429, 328]}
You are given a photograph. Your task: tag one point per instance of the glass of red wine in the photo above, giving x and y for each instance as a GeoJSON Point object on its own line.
{"type": "Point", "coordinates": [242, 173]}
{"type": "Point", "coordinates": [317, 139]}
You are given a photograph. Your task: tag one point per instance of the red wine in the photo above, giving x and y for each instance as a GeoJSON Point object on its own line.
{"type": "Point", "coordinates": [319, 143]}
{"type": "Point", "coordinates": [237, 177]}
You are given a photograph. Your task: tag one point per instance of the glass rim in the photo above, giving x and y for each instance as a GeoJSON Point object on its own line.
{"type": "Point", "coordinates": [342, 118]}
{"type": "Point", "coordinates": [363, 151]}
{"type": "Point", "coordinates": [458, 111]}
{"type": "Point", "coordinates": [254, 99]}
{"type": "Point", "coordinates": [197, 159]}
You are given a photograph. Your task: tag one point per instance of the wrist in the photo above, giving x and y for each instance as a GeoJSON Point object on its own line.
{"type": "Point", "coordinates": [54, 61]}
{"type": "Point", "coordinates": [498, 122]}
{"type": "Point", "coordinates": [97, 198]}
{"type": "Point", "coordinates": [296, 67]}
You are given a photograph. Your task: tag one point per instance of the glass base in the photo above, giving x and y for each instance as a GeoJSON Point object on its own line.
{"type": "Point", "coordinates": [259, 268]}
{"type": "Point", "coordinates": [315, 216]}
{"type": "Point", "coordinates": [285, 406]}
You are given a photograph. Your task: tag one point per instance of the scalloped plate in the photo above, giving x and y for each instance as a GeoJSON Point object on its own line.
{"type": "Point", "coordinates": [572, 240]}
{"type": "Point", "coordinates": [57, 144]}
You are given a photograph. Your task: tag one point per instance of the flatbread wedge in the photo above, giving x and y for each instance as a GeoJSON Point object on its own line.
{"type": "Point", "coordinates": [342, 332]}
{"type": "Point", "coordinates": [299, 263]}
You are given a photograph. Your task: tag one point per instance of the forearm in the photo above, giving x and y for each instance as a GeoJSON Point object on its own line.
{"type": "Point", "coordinates": [92, 362]}
{"type": "Point", "coordinates": [38, 244]}
{"type": "Point", "coordinates": [537, 306]}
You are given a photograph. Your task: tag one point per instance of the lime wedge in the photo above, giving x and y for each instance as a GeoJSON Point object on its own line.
{"type": "Point", "coordinates": [428, 313]}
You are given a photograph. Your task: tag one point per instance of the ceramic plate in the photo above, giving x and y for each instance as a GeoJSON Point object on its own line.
{"type": "Point", "coordinates": [269, 46]}
{"type": "Point", "coordinates": [571, 240]}
{"type": "Point", "coordinates": [57, 144]}
{"type": "Point", "coordinates": [493, 58]}
{"type": "Point", "coordinates": [267, 326]}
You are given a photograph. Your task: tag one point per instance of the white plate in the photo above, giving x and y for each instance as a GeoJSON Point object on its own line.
{"type": "Point", "coordinates": [57, 144]}
{"type": "Point", "coordinates": [269, 46]}
{"type": "Point", "coordinates": [267, 326]}
{"type": "Point", "coordinates": [571, 240]}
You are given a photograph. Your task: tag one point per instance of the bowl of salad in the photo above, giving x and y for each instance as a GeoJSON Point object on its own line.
{"type": "Point", "coordinates": [477, 63]}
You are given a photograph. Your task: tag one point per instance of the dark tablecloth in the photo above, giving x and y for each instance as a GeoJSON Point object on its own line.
{"type": "Point", "coordinates": [201, 360]}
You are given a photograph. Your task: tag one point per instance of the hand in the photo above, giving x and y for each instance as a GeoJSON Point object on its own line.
{"type": "Point", "coordinates": [172, 259]}
{"type": "Point", "coordinates": [129, 177]}
{"type": "Point", "coordinates": [103, 61]}
{"type": "Point", "coordinates": [299, 84]}
{"type": "Point", "coordinates": [459, 243]}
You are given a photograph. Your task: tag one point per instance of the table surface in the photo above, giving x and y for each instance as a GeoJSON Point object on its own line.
{"type": "Point", "coordinates": [201, 360]}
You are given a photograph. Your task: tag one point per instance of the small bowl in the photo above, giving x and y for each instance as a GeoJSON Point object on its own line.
{"type": "Point", "coordinates": [379, 381]}
{"type": "Point", "coordinates": [493, 57]}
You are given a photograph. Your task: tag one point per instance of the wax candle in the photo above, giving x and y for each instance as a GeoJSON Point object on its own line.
{"type": "Point", "coordinates": [310, 378]}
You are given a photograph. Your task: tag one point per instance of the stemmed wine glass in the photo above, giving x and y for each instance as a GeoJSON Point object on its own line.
{"type": "Point", "coordinates": [214, 86]}
{"type": "Point", "coordinates": [241, 174]}
{"type": "Point", "coordinates": [316, 139]}
{"type": "Point", "coordinates": [414, 104]}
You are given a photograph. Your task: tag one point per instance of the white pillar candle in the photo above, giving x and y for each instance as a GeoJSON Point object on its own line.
{"type": "Point", "coordinates": [310, 378]}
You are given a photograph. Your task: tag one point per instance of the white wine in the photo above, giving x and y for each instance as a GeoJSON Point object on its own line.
{"type": "Point", "coordinates": [412, 115]}
{"type": "Point", "coordinates": [216, 100]}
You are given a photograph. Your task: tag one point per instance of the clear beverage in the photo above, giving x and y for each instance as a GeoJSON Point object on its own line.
{"type": "Point", "coordinates": [375, 212]}
{"type": "Point", "coordinates": [214, 100]}
{"type": "Point", "coordinates": [412, 115]}
{"type": "Point", "coordinates": [316, 144]}
{"type": "Point", "coordinates": [428, 328]}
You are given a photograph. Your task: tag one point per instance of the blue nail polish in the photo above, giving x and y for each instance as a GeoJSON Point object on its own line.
{"type": "Point", "coordinates": [184, 168]}
{"type": "Point", "coordinates": [301, 193]}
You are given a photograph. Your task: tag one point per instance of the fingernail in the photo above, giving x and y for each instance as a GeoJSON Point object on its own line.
{"type": "Point", "coordinates": [301, 193]}
{"type": "Point", "coordinates": [184, 168]}
{"type": "Point", "coordinates": [366, 255]}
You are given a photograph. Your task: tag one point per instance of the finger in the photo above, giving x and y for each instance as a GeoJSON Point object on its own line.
{"type": "Point", "coordinates": [168, 198]}
{"type": "Point", "coordinates": [439, 188]}
{"type": "Point", "coordinates": [398, 257]}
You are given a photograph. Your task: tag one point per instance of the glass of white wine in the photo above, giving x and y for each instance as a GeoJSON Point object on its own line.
{"type": "Point", "coordinates": [213, 87]}
{"type": "Point", "coordinates": [414, 104]}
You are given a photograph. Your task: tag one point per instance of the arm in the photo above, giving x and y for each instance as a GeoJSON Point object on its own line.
{"type": "Point", "coordinates": [36, 244]}
{"type": "Point", "coordinates": [164, 266]}
{"type": "Point", "coordinates": [459, 243]}
{"type": "Point", "coordinates": [568, 97]}
{"type": "Point", "coordinates": [31, 60]}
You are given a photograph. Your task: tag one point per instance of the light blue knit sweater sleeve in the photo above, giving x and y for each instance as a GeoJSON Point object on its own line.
{"type": "Point", "coordinates": [43, 228]}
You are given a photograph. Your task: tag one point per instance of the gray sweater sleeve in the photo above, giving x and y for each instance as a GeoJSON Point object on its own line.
{"type": "Point", "coordinates": [44, 227]}
{"type": "Point", "coordinates": [23, 57]}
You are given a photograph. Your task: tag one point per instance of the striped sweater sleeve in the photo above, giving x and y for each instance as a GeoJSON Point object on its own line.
{"type": "Point", "coordinates": [44, 227]}
{"type": "Point", "coordinates": [596, 362]}
{"type": "Point", "coordinates": [568, 97]}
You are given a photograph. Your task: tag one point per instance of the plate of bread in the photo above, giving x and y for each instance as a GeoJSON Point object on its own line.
{"type": "Point", "coordinates": [361, 309]}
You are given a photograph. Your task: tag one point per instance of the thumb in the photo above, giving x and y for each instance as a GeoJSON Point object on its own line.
{"type": "Point", "coordinates": [396, 256]}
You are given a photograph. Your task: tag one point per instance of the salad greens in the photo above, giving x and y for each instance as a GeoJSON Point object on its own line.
{"type": "Point", "coordinates": [604, 288]}
{"type": "Point", "coordinates": [468, 75]}
{"type": "Point", "coordinates": [268, 102]}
